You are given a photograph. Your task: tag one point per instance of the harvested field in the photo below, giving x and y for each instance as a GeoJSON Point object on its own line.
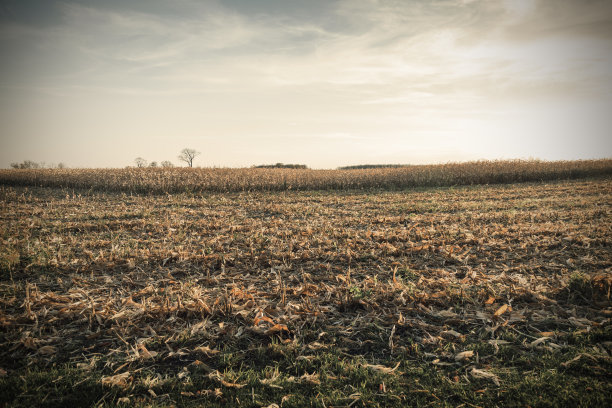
{"type": "Point", "coordinates": [464, 296]}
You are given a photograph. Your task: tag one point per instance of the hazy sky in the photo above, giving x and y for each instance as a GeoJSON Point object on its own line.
{"type": "Point", "coordinates": [319, 82]}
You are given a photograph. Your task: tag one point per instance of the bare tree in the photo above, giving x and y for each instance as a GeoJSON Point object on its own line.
{"type": "Point", "coordinates": [140, 162]}
{"type": "Point", "coordinates": [187, 156]}
{"type": "Point", "coordinates": [167, 163]}
{"type": "Point", "coordinates": [153, 164]}
{"type": "Point", "coordinates": [27, 164]}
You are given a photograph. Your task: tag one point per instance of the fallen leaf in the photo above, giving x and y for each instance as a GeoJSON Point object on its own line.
{"type": "Point", "coordinates": [216, 375]}
{"type": "Point", "coordinates": [498, 342]}
{"type": "Point", "coordinates": [490, 300]}
{"type": "Point", "coordinates": [464, 355]}
{"type": "Point", "coordinates": [500, 311]}
{"type": "Point", "coordinates": [146, 354]}
{"type": "Point", "coordinates": [120, 380]}
{"type": "Point", "coordinates": [231, 385]}
{"type": "Point", "coordinates": [315, 345]}
{"type": "Point", "coordinates": [206, 350]}
{"type": "Point", "coordinates": [382, 368]}
{"type": "Point", "coordinates": [262, 319]}
{"type": "Point", "coordinates": [277, 328]}
{"type": "Point", "coordinates": [311, 378]}
{"type": "Point", "coordinates": [451, 333]}
{"type": "Point", "coordinates": [476, 373]}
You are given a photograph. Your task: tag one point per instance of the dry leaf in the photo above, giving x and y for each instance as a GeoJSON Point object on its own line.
{"type": "Point", "coordinates": [315, 345]}
{"type": "Point", "coordinates": [206, 350]}
{"type": "Point", "coordinates": [311, 378]}
{"type": "Point", "coordinates": [498, 342]}
{"type": "Point", "coordinates": [490, 300]}
{"type": "Point", "coordinates": [476, 373]}
{"type": "Point", "coordinates": [277, 328]}
{"type": "Point", "coordinates": [500, 311]}
{"type": "Point", "coordinates": [216, 375]}
{"type": "Point", "coordinates": [144, 353]}
{"type": "Point", "coordinates": [120, 380]}
{"type": "Point", "coordinates": [382, 368]}
{"type": "Point", "coordinates": [262, 318]}
{"type": "Point", "coordinates": [464, 355]}
{"type": "Point", "coordinates": [451, 333]}
{"type": "Point", "coordinates": [232, 385]}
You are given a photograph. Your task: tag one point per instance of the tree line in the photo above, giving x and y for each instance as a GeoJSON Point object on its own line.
{"type": "Point", "coordinates": [29, 164]}
{"type": "Point", "coordinates": [187, 156]}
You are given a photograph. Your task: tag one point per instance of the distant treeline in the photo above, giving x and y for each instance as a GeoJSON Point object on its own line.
{"type": "Point", "coordinates": [373, 166]}
{"type": "Point", "coordinates": [29, 164]}
{"type": "Point", "coordinates": [281, 166]}
{"type": "Point", "coordinates": [161, 180]}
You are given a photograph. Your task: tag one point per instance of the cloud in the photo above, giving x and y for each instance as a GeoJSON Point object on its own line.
{"type": "Point", "coordinates": [383, 48]}
{"type": "Point", "coordinates": [345, 71]}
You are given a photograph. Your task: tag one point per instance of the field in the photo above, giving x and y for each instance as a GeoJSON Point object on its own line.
{"type": "Point", "coordinates": [468, 296]}
{"type": "Point", "coordinates": [199, 180]}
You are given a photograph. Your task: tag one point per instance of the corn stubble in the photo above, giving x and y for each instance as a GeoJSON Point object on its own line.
{"type": "Point", "coordinates": [480, 287]}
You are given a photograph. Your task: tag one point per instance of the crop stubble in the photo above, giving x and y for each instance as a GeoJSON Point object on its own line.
{"type": "Point", "coordinates": [472, 283]}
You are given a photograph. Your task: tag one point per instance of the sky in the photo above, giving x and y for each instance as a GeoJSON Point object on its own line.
{"type": "Point", "coordinates": [325, 83]}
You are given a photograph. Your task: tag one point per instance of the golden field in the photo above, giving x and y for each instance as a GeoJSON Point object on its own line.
{"type": "Point", "coordinates": [176, 180]}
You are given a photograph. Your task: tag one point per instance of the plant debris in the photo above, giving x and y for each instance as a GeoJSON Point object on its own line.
{"type": "Point", "coordinates": [476, 286]}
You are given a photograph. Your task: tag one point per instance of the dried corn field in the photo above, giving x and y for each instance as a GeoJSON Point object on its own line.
{"type": "Point", "coordinates": [465, 296]}
{"type": "Point", "coordinates": [197, 180]}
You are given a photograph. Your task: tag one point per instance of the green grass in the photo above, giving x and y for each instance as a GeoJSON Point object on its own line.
{"type": "Point", "coordinates": [285, 373]}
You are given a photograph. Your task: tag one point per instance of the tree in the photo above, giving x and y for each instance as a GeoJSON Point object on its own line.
{"type": "Point", "coordinates": [167, 163]}
{"type": "Point", "coordinates": [27, 164]}
{"type": "Point", "coordinates": [140, 162]}
{"type": "Point", "coordinates": [187, 156]}
{"type": "Point", "coordinates": [153, 164]}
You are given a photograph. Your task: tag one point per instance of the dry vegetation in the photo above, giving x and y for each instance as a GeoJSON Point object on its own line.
{"type": "Point", "coordinates": [470, 296]}
{"type": "Point", "coordinates": [176, 180]}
